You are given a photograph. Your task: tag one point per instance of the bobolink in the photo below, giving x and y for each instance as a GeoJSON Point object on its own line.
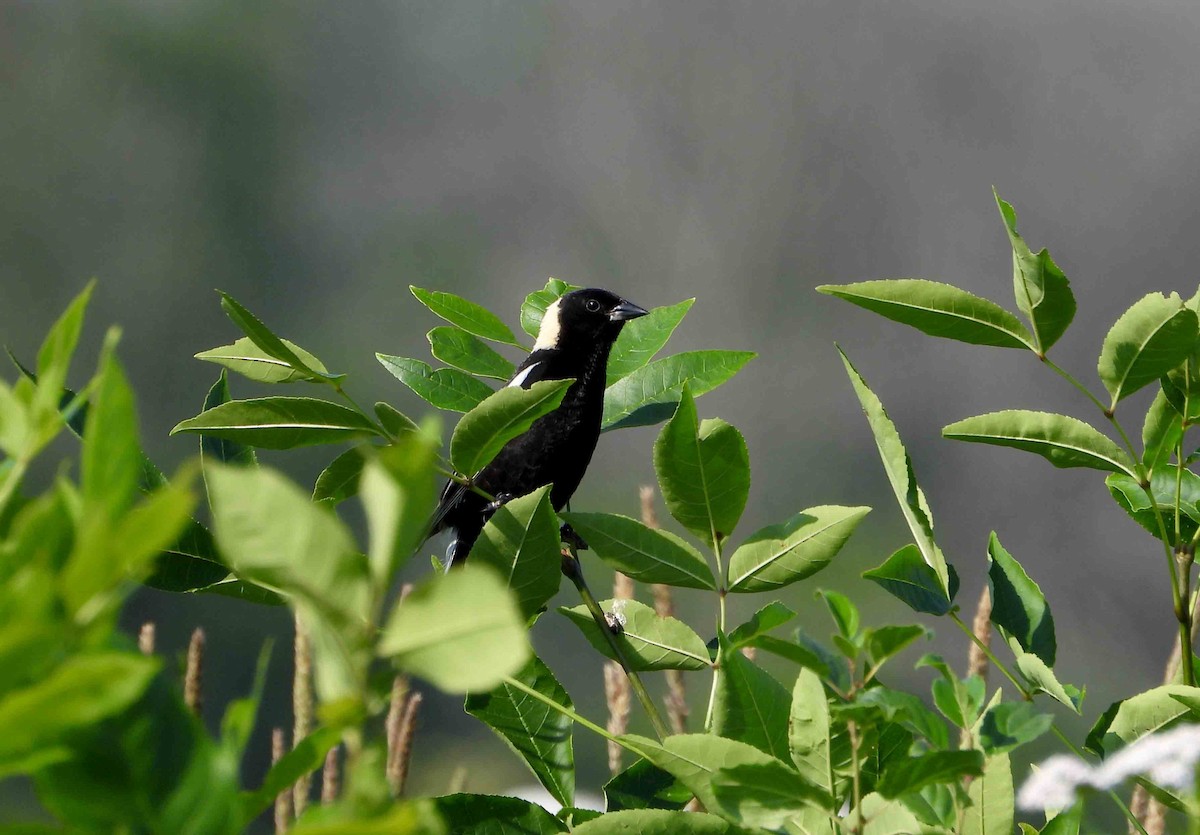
{"type": "Point", "coordinates": [576, 335]}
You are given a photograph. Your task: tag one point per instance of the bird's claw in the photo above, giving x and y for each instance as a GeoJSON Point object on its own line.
{"type": "Point", "coordinates": [567, 534]}
{"type": "Point", "coordinates": [500, 501]}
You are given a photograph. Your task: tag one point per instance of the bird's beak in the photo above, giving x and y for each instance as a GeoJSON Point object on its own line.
{"type": "Point", "coordinates": [626, 311]}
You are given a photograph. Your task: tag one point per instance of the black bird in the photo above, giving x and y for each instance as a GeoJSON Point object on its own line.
{"type": "Point", "coordinates": [576, 336]}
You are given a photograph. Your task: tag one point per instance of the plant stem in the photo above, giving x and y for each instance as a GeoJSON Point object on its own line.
{"type": "Point", "coordinates": [574, 572]}
{"type": "Point", "coordinates": [12, 480]}
{"type": "Point", "coordinates": [1025, 694]}
{"type": "Point", "coordinates": [852, 728]}
{"type": "Point", "coordinates": [1066, 375]}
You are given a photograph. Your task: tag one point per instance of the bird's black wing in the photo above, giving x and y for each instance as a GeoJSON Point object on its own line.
{"type": "Point", "coordinates": [532, 370]}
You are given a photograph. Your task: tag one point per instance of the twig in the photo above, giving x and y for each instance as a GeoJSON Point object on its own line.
{"type": "Point", "coordinates": [283, 800]}
{"type": "Point", "coordinates": [399, 768]}
{"type": "Point", "coordinates": [330, 777]}
{"type": "Point", "coordinates": [146, 638]}
{"type": "Point", "coordinates": [302, 708]}
{"type": "Point", "coordinates": [193, 676]}
{"type": "Point", "coordinates": [977, 660]}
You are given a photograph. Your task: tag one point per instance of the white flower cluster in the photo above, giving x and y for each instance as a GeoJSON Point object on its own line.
{"type": "Point", "coordinates": [1168, 759]}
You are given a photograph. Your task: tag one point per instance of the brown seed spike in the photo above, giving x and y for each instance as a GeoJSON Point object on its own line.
{"type": "Point", "coordinates": [193, 677]}
{"type": "Point", "coordinates": [330, 778]}
{"type": "Point", "coordinates": [283, 800]}
{"type": "Point", "coordinates": [302, 708]}
{"type": "Point", "coordinates": [146, 638]}
{"type": "Point", "coordinates": [676, 697]}
{"type": "Point", "coordinates": [616, 693]}
{"type": "Point", "coordinates": [395, 717]}
{"type": "Point", "coordinates": [398, 771]}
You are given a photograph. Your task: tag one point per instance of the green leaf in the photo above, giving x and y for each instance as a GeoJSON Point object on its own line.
{"type": "Point", "coordinates": [843, 611]}
{"type": "Point", "coordinates": [271, 533]}
{"type": "Point", "coordinates": [898, 466]}
{"type": "Point", "coordinates": [1143, 714]}
{"type": "Point", "coordinates": [906, 575]}
{"type": "Point", "coordinates": [446, 388]}
{"type": "Point", "coordinates": [538, 734]}
{"type": "Point", "coordinates": [1128, 493]}
{"type": "Point", "coordinates": [748, 704]}
{"type": "Point", "coordinates": [222, 449]}
{"type": "Point", "coordinates": [648, 641]}
{"type": "Point", "coordinates": [535, 304]}
{"type": "Point", "coordinates": [521, 542]}
{"type": "Point", "coordinates": [460, 631]}
{"type": "Point", "coordinates": [1018, 605]}
{"type": "Point", "coordinates": [472, 318]}
{"type": "Point", "coordinates": [268, 342]}
{"type": "Point", "coordinates": [509, 412]}
{"type": "Point", "coordinates": [650, 394]}
{"type": "Point", "coordinates": [111, 458]}
{"type": "Point", "coordinates": [339, 481]}
{"type": "Point", "coordinates": [769, 617]}
{"type": "Point", "coordinates": [887, 641]}
{"type": "Point", "coordinates": [190, 563]}
{"type": "Point", "coordinates": [810, 736]}
{"type": "Point", "coordinates": [79, 692]}
{"type": "Point", "coordinates": [1068, 821]}
{"type": "Point", "coordinates": [393, 422]}
{"type": "Point", "coordinates": [642, 338]}
{"type": "Point", "coordinates": [1063, 441]}
{"type": "Point", "coordinates": [779, 555]}
{"type": "Point", "coordinates": [307, 756]}
{"type": "Point", "coordinates": [764, 794]}
{"type": "Point", "coordinates": [1156, 334]}
{"type": "Point", "coordinates": [254, 363]}
{"type": "Point", "coordinates": [1041, 678]}
{"type": "Point", "coordinates": [1010, 724]}
{"type": "Point", "coordinates": [54, 360]}
{"type": "Point", "coordinates": [643, 553]}
{"type": "Point", "coordinates": [1042, 291]}
{"type": "Point", "coordinates": [878, 816]}
{"type": "Point", "coordinates": [937, 309]}
{"type": "Point", "coordinates": [695, 759]}
{"type": "Point", "coordinates": [1161, 432]}
{"type": "Point", "coordinates": [926, 769]}
{"type": "Point", "coordinates": [645, 786]}
{"type": "Point", "coordinates": [398, 489]}
{"type": "Point", "coordinates": [703, 472]}
{"type": "Point", "coordinates": [909, 712]}
{"type": "Point", "coordinates": [460, 349]}
{"type": "Point", "coordinates": [280, 422]}
{"type": "Point", "coordinates": [991, 796]}
{"type": "Point", "coordinates": [480, 814]}
{"type": "Point", "coordinates": [659, 822]}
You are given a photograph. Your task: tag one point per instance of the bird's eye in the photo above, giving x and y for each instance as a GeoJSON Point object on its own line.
{"type": "Point", "coordinates": [592, 305]}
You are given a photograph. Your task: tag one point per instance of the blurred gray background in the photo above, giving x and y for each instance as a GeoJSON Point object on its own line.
{"type": "Point", "coordinates": [314, 159]}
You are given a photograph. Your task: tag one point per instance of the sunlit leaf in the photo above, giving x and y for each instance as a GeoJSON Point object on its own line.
{"type": "Point", "coordinates": [446, 388]}
{"type": "Point", "coordinates": [649, 394]}
{"type": "Point", "coordinates": [649, 642]}
{"type": "Point", "coordinates": [645, 554]}
{"type": "Point", "coordinates": [472, 318]}
{"type": "Point", "coordinates": [1042, 292]}
{"type": "Point", "coordinates": [1063, 441]}
{"type": "Point", "coordinates": [280, 422]}
{"type": "Point", "coordinates": [268, 342]}
{"type": "Point", "coordinates": [483, 431]}
{"type": "Point", "coordinates": [467, 352]}
{"type": "Point", "coordinates": [1152, 337]}
{"type": "Point", "coordinates": [781, 554]}
{"type": "Point", "coordinates": [749, 705]}
{"type": "Point", "coordinates": [642, 338]}
{"type": "Point", "coordinates": [521, 542]}
{"type": "Point", "coordinates": [252, 362]}
{"type": "Point", "coordinates": [339, 481]}
{"type": "Point", "coordinates": [937, 309]}
{"type": "Point", "coordinates": [398, 489]}
{"type": "Point", "coordinates": [991, 796]}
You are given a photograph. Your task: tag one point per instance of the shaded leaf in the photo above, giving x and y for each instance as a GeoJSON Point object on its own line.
{"type": "Point", "coordinates": [482, 814]}
{"type": "Point", "coordinates": [769, 617]}
{"type": "Point", "coordinates": [748, 704]}
{"type": "Point", "coordinates": [909, 577]}
{"type": "Point", "coordinates": [1161, 432]}
{"type": "Point", "coordinates": [764, 794]}
{"type": "Point", "coordinates": [645, 786]}
{"type": "Point", "coordinates": [1018, 605]}
{"type": "Point", "coordinates": [393, 422]}
{"type": "Point", "coordinates": [926, 769]}
{"type": "Point", "coordinates": [659, 822]}
{"type": "Point", "coordinates": [538, 734]}
{"type": "Point", "coordinates": [339, 481]}
{"type": "Point", "coordinates": [1010, 724]}
{"type": "Point", "coordinates": [1132, 498]}
{"type": "Point", "coordinates": [223, 449]}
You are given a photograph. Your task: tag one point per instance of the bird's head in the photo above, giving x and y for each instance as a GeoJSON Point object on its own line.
{"type": "Point", "coordinates": [585, 317]}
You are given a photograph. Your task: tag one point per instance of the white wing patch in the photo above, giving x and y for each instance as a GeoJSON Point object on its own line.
{"type": "Point", "coordinates": [522, 377]}
{"type": "Point", "coordinates": [548, 332]}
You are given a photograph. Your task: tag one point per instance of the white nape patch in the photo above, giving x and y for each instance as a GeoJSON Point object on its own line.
{"type": "Point", "coordinates": [520, 378]}
{"type": "Point", "coordinates": [548, 332]}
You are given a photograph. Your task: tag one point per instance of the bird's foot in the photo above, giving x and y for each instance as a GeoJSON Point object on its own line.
{"type": "Point", "coordinates": [500, 501]}
{"type": "Point", "coordinates": [567, 534]}
{"type": "Point", "coordinates": [616, 623]}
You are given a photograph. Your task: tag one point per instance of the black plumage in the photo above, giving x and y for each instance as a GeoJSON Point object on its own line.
{"type": "Point", "coordinates": [576, 336]}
